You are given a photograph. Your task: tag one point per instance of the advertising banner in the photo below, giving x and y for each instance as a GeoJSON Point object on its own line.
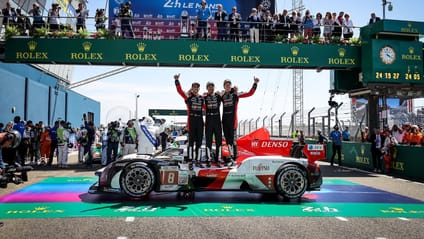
{"type": "Point", "coordinates": [161, 19]}
{"type": "Point", "coordinates": [180, 53]}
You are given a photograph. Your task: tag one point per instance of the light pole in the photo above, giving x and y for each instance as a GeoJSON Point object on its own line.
{"type": "Point", "coordinates": [136, 105]}
{"type": "Point", "coordinates": [390, 7]}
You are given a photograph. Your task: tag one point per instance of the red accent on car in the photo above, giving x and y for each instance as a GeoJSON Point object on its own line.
{"type": "Point", "coordinates": [267, 180]}
{"type": "Point", "coordinates": [219, 174]}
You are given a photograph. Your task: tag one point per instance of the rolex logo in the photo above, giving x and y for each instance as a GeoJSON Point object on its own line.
{"type": "Point", "coordinates": [40, 208]}
{"type": "Point", "coordinates": [194, 47]}
{"type": "Point", "coordinates": [411, 50]}
{"type": "Point", "coordinates": [362, 150]}
{"type": "Point", "coordinates": [32, 45]}
{"type": "Point", "coordinates": [245, 49]}
{"type": "Point", "coordinates": [294, 50]}
{"type": "Point", "coordinates": [141, 46]}
{"type": "Point", "coordinates": [409, 24]}
{"type": "Point", "coordinates": [342, 52]}
{"type": "Point", "coordinates": [86, 46]}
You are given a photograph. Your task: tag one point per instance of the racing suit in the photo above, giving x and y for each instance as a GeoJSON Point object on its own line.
{"type": "Point", "coordinates": [213, 125]}
{"type": "Point", "coordinates": [229, 116]}
{"type": "Point", "coordinates": [195, 123]}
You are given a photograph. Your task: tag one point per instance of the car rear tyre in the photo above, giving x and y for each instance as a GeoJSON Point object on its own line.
{"type": "Point", "coordinates": [291, 182]}
{"type": "Point", "coordinates": [137, 180]}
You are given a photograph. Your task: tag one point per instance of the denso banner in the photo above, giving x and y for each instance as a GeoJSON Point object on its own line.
{"type": "Point", "coordinates": [259, 142]}
{"type": "Point", "coordinates": [161, 18]}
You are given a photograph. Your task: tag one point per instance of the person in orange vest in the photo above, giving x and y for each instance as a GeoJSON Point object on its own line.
{"type": "Point", "coordinates": [407, 136]}
{"type": "Point", "coordinates": [45, 145]}
{"type": "Point", "coordinates": [415, 135]}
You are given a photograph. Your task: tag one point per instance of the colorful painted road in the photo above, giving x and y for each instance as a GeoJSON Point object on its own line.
{"type": "Point", "coordinates": [67, 197]}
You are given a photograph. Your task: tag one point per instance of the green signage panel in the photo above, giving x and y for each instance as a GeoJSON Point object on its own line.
{"type": "Point", "coordinates": [180, 53]}
{"type": "Point", "coordinates": [162, 112]}
{"type": "Point", "coordinates": [391, 61]}
{"type": "Point", "coordinates": [396, 26]}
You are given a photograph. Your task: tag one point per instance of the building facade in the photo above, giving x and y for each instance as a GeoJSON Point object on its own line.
{"type": "Point", "coordinates": [34, 94]}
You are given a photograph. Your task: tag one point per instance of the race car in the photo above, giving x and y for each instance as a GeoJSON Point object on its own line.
{"type": "Point", "coordinates": [261, 167]}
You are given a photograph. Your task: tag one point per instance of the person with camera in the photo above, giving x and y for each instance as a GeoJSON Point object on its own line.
{"type": "Point", "coordinates": [129, 139]}
{"type": "Point", "coordinates": [126, 14]}
{"type": "Point", "coordinates": [81, 14]}
{"type": "Point", "coordinates": [53, 18]}
{"type": "Point", "coordinates": [8, 139]}
{"type": "Point", "coordinates": [37, 18]}
{"type": "Point", "coordinates": [100, 19]}
{"type": "Point", "coordinates": [91, 132]}
{"type": "Point", "coordinates": [113, 135]}
{"type": "Point", "coordinates": [62, 145]}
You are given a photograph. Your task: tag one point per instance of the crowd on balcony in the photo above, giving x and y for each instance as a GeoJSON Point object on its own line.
{"type": "Point", "coordinates": [259, 26]}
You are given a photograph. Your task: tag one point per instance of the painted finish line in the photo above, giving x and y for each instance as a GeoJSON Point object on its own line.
{"type": "Point", "coordinates": [67, 197]}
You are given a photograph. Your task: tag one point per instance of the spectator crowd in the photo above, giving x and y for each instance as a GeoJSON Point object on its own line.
{"type": "Point", "coordinates": [259, 26]}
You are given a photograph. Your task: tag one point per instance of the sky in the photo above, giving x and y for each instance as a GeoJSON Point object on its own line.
{"type": "Point", "coordinates": [155, 85]}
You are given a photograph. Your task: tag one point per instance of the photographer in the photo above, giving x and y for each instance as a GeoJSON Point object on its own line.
{"type": "Point", "coordinates": [9, 139]}
{"type": "Point", "coordinates": [37, 18]}
{"type": "Point", "coordinates": [113, 135]}
{"type": "Point", "coordinates": [53, 18]}
{"type": "Point", "coordinates": [62, 144]}
{"type": "Point", "coordinates": [81, 14]}
{"type": "Point", "coordinates": [100, 19]}
{"type": "Point", "coordinates": [126, 14]}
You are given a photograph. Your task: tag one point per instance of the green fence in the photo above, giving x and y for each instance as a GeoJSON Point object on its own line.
{"type": "Point", "coordinates": [409, 162]}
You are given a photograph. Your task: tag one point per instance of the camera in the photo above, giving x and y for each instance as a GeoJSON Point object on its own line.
{"type": "Point", "coordinates": [114, 125]}
{"type": "Point", "coordinates": [16, 174]}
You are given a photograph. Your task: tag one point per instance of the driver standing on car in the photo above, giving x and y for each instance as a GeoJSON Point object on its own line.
{"type": "Point", "coordinates": [213, 124]}
{"type": "Point", "coordinates": [230, 100]}
{"type": "Point", "coordinates": [194, 103]}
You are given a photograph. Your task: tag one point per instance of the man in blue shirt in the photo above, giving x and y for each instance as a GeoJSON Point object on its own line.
{"type": "Point", "coordinates": [346, 134]}
{"type": "Point", "coordinates": [203, 14]}
{"type": "Point", "coordinates": [19, 126]}
{"type": "Point", "coordinates": [336, 138]}
{"type": "Point", "coordinates": [53, 144]}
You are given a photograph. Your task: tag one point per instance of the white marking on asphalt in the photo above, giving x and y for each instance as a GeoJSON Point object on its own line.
{"type": "Point", "coordinates": [380, 238]}
{"type": "Point", "coordinates": [342, 219]}
{"type": "Point", "coordinates": [402, 180]}
{"type": "Point", "coordinates": [129, 219]}
{"type": "Point", "coordinates": [403, 218]}
{"type": "Point", "coordinates": [122, 237]}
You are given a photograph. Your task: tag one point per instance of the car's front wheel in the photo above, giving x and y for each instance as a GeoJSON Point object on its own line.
{"type": "Point", "coordinates": [137, 180]}
{"type": "Point", "coordinates": [291, 181]}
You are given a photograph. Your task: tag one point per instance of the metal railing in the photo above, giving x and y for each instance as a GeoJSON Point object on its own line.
{"type": "Point", "coordinates": [175, 28]}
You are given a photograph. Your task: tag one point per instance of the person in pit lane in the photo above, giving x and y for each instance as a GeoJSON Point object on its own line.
{"type": "Point", "coordinates": [230, 99]}
{"type": "Point", "coordinates": [194, 103]}
{"type": "Point", "coordinates": [213, 125]}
